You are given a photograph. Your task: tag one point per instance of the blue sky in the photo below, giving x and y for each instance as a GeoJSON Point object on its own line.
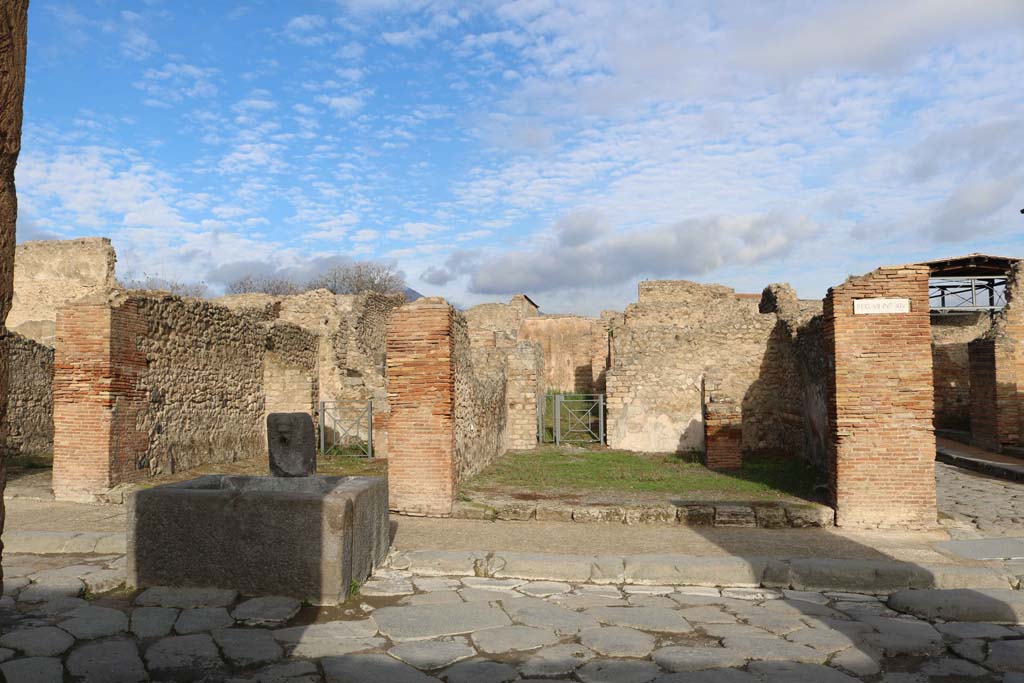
{"type": "Point", "coordinates": [563, 149]}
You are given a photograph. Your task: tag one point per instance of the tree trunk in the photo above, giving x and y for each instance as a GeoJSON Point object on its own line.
{"type": "Point", "coordinates": [13, 42]}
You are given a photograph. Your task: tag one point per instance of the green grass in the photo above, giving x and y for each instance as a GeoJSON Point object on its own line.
{"type": "Point", "coordinates": [347, 466]}
{"type": "Point", "coordinates": [549, 468]}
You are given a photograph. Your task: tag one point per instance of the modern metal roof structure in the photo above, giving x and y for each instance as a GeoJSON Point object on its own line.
{"type": "Point", "coordinates": [964, 284]}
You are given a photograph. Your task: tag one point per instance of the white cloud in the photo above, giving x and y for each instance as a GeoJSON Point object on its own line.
{"type": "Point", "coordinates": [344, 105]}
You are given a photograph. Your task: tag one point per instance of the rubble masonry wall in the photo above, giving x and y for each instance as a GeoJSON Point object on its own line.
{"type": "Point", "coordinates": [30, 396]}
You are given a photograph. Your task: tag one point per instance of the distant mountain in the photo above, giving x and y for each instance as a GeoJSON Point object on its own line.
{"type": "Point", "coordinates": [411, 294]}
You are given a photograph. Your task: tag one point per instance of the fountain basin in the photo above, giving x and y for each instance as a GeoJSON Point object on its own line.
{"type": "Point", "coordinates": [305, 537]}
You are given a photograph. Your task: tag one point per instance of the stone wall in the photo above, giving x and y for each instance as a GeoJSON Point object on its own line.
{"type": "Point", "coordinates": [50, 273]}
{"type": "Point", "coordinates": [501, 318]}
{"type": "Point", "coordinates": [575, 351]}
{"type": "Point", "coordinates": [455, 406]}
{"type": "Point", "coordinates": [663, 346]}
{"type": "Point", "coordinates": [997, 373]}
{"type": "Point", "coordinates": [352, 332]}
{"type": "Point", "coordinates": [149, 382]}
{"type": "Point", "coordinates": [30, 398]}
{"type": "Point", "coordinates": [951, 366]}
{"type": "Point", "coordinates": [290, 370]}
{"type": "Point", "coordinates": [881, 446]}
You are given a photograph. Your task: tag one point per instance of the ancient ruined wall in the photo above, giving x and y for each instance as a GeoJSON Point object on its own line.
{"type": "Point", "coordinates": [882, 447]}
{"type": "Point", "coordinates": [146, 382]}
{"type": "Point", "coordinates": [997, 373]}
{"type": "Point", "coordinates": [799, 334]}
{"type": "Point", "coordinates": [575, 351]}
{"type": "Point", "coordinates": [30, 398]}
{"type": "Point", "coordinates": [352, 332]}
{"type": "Point", "coordinates": [480, 410]}
{"type": "Point", "coordinates": [524, 388]}
{"type": "Point", "coordinates": [663, 347]}
{"type": "Point", "coordinates": [951, 367]}
{"type": "Point", "coordinates": [49, 274]}
{"type": "Point", "coordinates": [501, 318]}
{"type": "Point", "coordinates": [290, 370]}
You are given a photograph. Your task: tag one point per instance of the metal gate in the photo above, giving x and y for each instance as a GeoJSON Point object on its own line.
{"type": "Point", "coordinates": [346, 428]}
{"type": "Point", "coordinates": [571, 418]}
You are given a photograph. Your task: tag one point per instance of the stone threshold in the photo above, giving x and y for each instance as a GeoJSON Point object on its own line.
{"type": "Point", "coordinates": [767, 514]}
{"type": "Point", "coordinates": [876, 577]}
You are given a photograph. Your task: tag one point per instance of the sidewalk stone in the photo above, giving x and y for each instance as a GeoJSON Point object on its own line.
{"type": "Point", "coordinates": [52, 589]}
{"type": "Point", "coordinates": [370, 669]}
{"type": "Point", "coordinates": [44, 641]}
{"type": "Point", "coordinates": [33, 670]}
{"type": "Point", "coordinates": [266, 611]}
{"type": "Point", "coordinates": [248, 647]}
{"type": "Point", "coordinates": [186, 598]}
{"type": "Point", "coordinates": [615, 641]}
{"type": "Point", "coordinates": [512, 639]}
{"type": "Point", "coordinates": [103, 580]}
{"type": "Point", "coordinates": [110, 661]}
{"type": "Point", "coordinates": [153, 622]}
{"type": "Point", "coordinates": [543, 589]}
{"type": "Point", "coordinates": [420, 622]}
{"type": "Point", "coordinates": [993, 606]}
{"type": "Point", "coordinates": [330, 638]}
{"type": "Point", "coordinates": [431, 654]}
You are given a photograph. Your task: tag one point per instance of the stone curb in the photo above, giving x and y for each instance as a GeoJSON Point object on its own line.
{"type": "Point", "coordinates": [767, 515]}
{"type": "Point", "coordinates": [62, 542]}
{"type": "Point", "coordinates": [880, 577]}
{"type": "Point", "coordinates": [994, 469]}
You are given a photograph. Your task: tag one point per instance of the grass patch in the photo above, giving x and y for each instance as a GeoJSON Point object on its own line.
{"type": "Point", "coordinates": [348, 466]}
{"type": "Point", "coordinates": [547, 469]}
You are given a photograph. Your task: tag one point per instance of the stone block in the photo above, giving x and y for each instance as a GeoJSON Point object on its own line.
{"type": "Point", "coordinates": [538, 567]}
{"type": "Point", "coordinates": [307, 537]}
{"type": "Point", "coordinates": [735, 515]}
{"type": "Point", "coordinates": [770, 516]}
{"type": "Point", "coordinates": [696, 515]}
{"type": "Point", "coordinates": [291, 442]}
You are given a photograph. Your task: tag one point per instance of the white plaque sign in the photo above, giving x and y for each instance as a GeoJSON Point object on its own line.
{"type": "Point", "coordinates": [874, 306]}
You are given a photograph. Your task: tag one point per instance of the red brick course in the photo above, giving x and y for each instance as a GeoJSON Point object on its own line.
{"type": "Point", "coordinates": [97, 365]}
{"type": "Point", "coordinates": [421, 392]}
{"type": "Point", "coordinates": [881, 400]}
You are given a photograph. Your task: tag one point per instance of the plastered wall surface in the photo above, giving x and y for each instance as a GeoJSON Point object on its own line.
{"type": "Point", "coordinates": [30, 397]}
{"type": "Point", "coordinates": [575, 351]}
{"type": "Point", "coordinates": [51, 273]}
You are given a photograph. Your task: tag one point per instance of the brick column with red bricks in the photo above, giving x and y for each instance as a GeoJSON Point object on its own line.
{"type": "Point", "coordinates": [881, 402]}
{"type": "Point", "coordinates": [723, 429]}
{"type": "Point", "coordinates": [96, 398]}
{"type": "Point", "coordinates": [421, 392]}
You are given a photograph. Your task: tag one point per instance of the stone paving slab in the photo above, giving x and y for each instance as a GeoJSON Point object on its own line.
{"type": "Point", "coordinates": [651, 632]}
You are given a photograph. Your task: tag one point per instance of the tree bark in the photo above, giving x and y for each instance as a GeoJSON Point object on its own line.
{"type": "Point", "coordinates": [13, 43]}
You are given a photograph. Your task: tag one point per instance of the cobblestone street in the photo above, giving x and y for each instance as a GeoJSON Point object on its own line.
{"type": "Point", "coordinates": [409, 629]}
{"type": "Point", "coordinates": [994, 506]}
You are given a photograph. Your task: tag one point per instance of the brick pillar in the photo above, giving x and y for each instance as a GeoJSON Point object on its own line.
{"type": "Point", "coordinates": [421, 392]}
{"type": "Point", "coordinates": [723, 429]}
{"type": "Point", "coordinates": [881, 400]}
{"type": "Point", "coordinates": [96, 399]}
